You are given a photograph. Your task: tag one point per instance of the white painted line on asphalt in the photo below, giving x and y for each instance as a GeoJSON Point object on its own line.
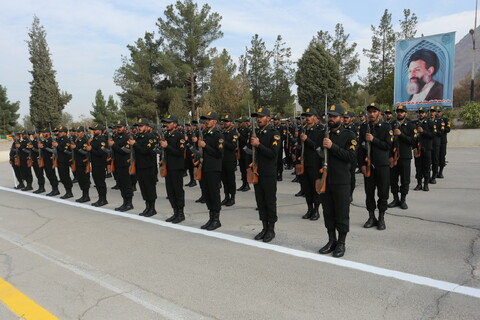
{"type": "Point", "coordinates": [407, 277]}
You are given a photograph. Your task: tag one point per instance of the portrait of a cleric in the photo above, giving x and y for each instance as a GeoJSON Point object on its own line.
{"type": "Point", "coordinates": [422, 66]}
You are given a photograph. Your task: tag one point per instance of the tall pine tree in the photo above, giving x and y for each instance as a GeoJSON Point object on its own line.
{"type": "Point", "coordinates": [282, 78]}
{"type": "Point", "coordinates": [259, 73]}
{"type": "Point", "coordinates": [8, 112]}
{"type": "Point", "coordinates": [46, 100]}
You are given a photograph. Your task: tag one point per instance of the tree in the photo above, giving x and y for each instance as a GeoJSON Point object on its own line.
{"type": "Point", "coordinates": [46, 100]}
{"type": "Point", "coordinates": [408, 25]}
{"type": "Point", "coordinates": [470, 114]}
{"type": "Point", "coordinates": [282, 78]}
{"type": "Point", "coordinates": [112, 109]}
{"type": "Point", "coordinates": [317, 77]}
{"type": "Point", "coordinates": [188, 33]}
{"type": "Point", "coordinates": [381, 54]}
{"type": "Point", "coordinates": [139, 77]}
{"type": "Point", "coordinates": [344, 54]}
{"type": "Point", "coordinates": [8, 112]}
{"type": "Point", "coordinates": [259, 72]}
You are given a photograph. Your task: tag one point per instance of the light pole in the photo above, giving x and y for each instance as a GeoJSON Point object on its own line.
{"type": "Point", "coordinates": [473, 34]}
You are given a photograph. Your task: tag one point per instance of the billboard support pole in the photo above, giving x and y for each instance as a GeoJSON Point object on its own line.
{"type": "Point", "coordinates": [473, 33]}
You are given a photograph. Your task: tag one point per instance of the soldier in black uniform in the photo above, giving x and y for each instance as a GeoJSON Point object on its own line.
{"type": "Point", "coordinates": [404, 141]}
{"type": "Point", "coordinates": [24, 153]}
{"type": "Point", "coordinates": [194, 149]}
{"type": "Point", "coordinates": [173, 145]}
{"type": "Point", "coordinates": [423, 152]}
{"type": "Point", "coordinates": [82, 155]}
{"type": "Point", "coordinates": [349, 124]}
{"type": "Point", "coordinates": [146, 164]}
{"type": "Point", "coordinates": [38, 162]}
{"type": "Point", "coordinates": [445, 128]}
{"type": "Point", "coordinates": [340, 145]}
{"type": "Point", "coordinates": [267, 143]}
{"type": "Point", "coordinates": [98, 152]}
{"type": "Point", "coordinates": [15, 159]}
{"type": "Point", "coordinates": [189, 132]}
{"type": "Point", "coordinates": [229, 161]}
{"type": "Point", "coordinates": [122, 151]}
{"type": "Point", "coordinates": [49, 155]}
{"type": "Point", "coordinates": [378, 136]}
{"type": "Point", "coordinates": [282, 129]}
{"type": "Point", "coordinates": [309, 139]}
{"type": "Point", "coordinates": [64, 154]}
{"type": "Point", "coordinates": [212, 145]}
{"type": "Point", "coordinates": [436, 144]}
{"type": "Point", "coordinates": [245, 160]}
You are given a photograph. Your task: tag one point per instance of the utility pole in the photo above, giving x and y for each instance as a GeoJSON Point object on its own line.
{"type": "Point", "coordinates": [473, 34]}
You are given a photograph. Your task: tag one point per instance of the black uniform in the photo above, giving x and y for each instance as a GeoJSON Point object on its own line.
{"type": "Point", "coordinates": [445, 128]}
{"type": "Point", "coordinates": [437, 133]}
{"type": "Point", "coordinates": [245, 159]}
{"type": "Point", "coordinates": [283, 131]}
{"type": "Point", "coordinates": [212, 169]}
{"type": "Point", "coordinates": [403, 145]}
{"type": "Point", "coordinates": [64, 154]}
{"type": "Point", "coordinates": [229, 165]}
{"type": "Point", "coordinates": [423, 162]}
{"type": "Point", "coordinates": [38, 165]}
{"type": "Point", "coordinates": [380, 170]}
{"type": "Point", "coordinates": [14, 153]}
{"type": "Point", "coordinates": [353, 127]}
{"type": "Point", "coordinates": [49, 159]}
{"type": "Point", "coordinates": [25, 163]}
{"type": "Point", "coordinates": [81, 159]}
{"type": "Point", "coordinates": [122, 150]}
{"type": "Point", "coordinates": [146, 164]}
{"type": "Point", "coordinates": [175, 168]}
{"type": "Point", "coordinates": [98, 155]}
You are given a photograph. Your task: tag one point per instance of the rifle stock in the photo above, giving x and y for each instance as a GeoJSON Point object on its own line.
{"type": "Point", "coordinates": [368, 159]}
{"type": "Point", "coordinates": [321, 184]}
{"type": "Point", "coordinates": [252, 170]}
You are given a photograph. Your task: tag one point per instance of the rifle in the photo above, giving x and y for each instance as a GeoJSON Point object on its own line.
{"type": "Point", "coordinates": [54, 150]}
{"type": "Point", "coordinates": [40, 160]}
{"type": "Point", "coordinates": [110, 154]}
{"type": "Point", "coordinates": [396, 154]}
{"type": "Point", "coordinates": [300, 167]}
{"type": "Point", "coordinates": [73, 163]}
{"type": "Point", "coordinates": [29, 142]}
{"type": "Point", "coordinates": [368, 159]}
{"type": "Point", "coordinates": [17, 154]}
{"type": "Point", "coordinates": [132, 169]}
{"type": "Point", "coordinates": [417, 152]}
{"type": "Point", "coordinates": [88, 168]}
{"type": "Point", "coordinates": [322, 182]}
{"type": "Point", "coordinates": [197, 171]}
{"type": "Point", "coordinates": [252, 170]}
{"type": "Point", "coordinates": [163, 158]}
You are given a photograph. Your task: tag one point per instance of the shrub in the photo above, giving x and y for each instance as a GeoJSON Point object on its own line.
{"type": "Point", "coordinates": [470, 114]}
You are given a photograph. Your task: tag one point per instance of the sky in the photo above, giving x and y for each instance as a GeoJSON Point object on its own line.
{"type": "Point", "coordinates": [88, 38]}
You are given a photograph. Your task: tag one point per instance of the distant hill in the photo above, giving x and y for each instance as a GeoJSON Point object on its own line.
{"type": "Point", "coordinates": [464, 57]}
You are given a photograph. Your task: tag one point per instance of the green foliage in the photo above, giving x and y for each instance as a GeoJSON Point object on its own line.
{"type": "Point", "coordinates": [408, 25]}
{"type": "Point", "coordinates": [257, 58]}
{"type": "Point", "coordinates": [102, 111]}
{"type": "Point", "coordinates": [8, 112]}
{"type": "Point", "coordinates": [46, 100]}
{"type": "Point", "coordinates": [317, 76]}
{"type": "Point", "coordinates": [384, 95]}
{"type": "Point", "coordinates": [282, 98]}
{"type": "Point", "coordinates": [470, 114]}
{"type": "Point", "coordinates": [188, 33]}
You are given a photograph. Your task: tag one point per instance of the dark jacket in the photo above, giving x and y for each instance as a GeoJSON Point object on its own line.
{"type": "Point", "coordinates": [145, 156]}
{"type": "Point", "coordinates": [213, 151]}
{"type": "Point", "coordinates": [380, 146]}
{"type": "Point", "coordinates": [175, 150]}
{"type": "Point", "coordinates": [267, 151]}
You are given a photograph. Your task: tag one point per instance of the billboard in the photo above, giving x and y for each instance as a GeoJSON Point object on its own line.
{"type": "Point", "coordinates": [424, 71]}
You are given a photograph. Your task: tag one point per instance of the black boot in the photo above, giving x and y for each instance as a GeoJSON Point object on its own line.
{"type": "Point", "coordinates": [270, 234]}
{"type": "Point", "coordinates": [300, 193]}
{"type": "Point", "coordinates": [101, 201]}
{"type": "Point", "coordinates": [440, 173]}
{"type": "Point", "coordinates": [279, 177]}
{"type": "Point", "coordinates": [180, 217]}
{"type": "Point", "coordinates": [68, 194]}
{"type": "Point", "coordinates": [54, 192]}
{"type": "Point", "coordinates": [433, 180]}
{"type": "Point", "coordinates": [243, 186]}
{"type": "Point", "coordinates": [41, 189]}
{"type": "Point", "coordinates": [309, 212]}
{"type": "Point", "coordinates": [425, 187]}
{"type": "Point", "coordinates": [122, 206]}
{"type": "Point", "coordinates": [126, 206]}
{"type": "Point", "coordinates": [395, 202]}
{"type": "Point", "coordinates": [403, 202]}
{"type": "Point", "coordinates": [372, 221]}
{"type": "Point", "coordinates": [20, 186]}
{"type": "Point", "coordinates": [231, 201]}
{"type": "Point", "coordinates": [381, 221]}
{"type": "Point", "coordinates": [115, 187]}
{"type": "Point", "coordinates": [264, 230]}
{"type": "Point", "coordinates": [247, 188]}
{"type": "Point", "coordinates": [209, 222]}
{"type": "Point", "coordinates": [147, 208]}
{"type": "Point", "coordinates": [151, 211]}
{"type": "Point", "coordinates": [315, 215]}
{"type": "Point", "coordinates": [174, 216]}
{"type": "Point", "coordinates": [332, 242]}
{"type": "Point", "coordinates": [85, 197]}
{"type": "Point", "coordinates": [340, 247]}
{"type": "Point", "coordinates": [227, 198]}
{"type": "Point", "coordinates": [419, 185]}
{"type": "Point", "coordinates": [215, 222]}
{"type": "Point", "coordinates": [28, 187]}
{"type": "Point", "coordinates": [201, 199]}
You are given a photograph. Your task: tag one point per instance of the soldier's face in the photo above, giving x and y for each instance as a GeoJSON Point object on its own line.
{"type": "Point", "coordinates": [81, 134]}
{"type": "Point", "coordinates": [401, 114]}
{"type": "Point", "coordinates": [433, 114]}
{"type": "Point", "coordinates": [310, 120]}
{"type": "Point", "coordinates": [347, 120]}
{"type": "Point", "coordinates": [335, 121]}
{"type": "Point", "coordinates": [263, 121]}
{"type": "Point", "coordinates": [422, 115]}
{"type": "Point", "coordinates": [211, 123]}
{"type": "Point", "coordinates": [142, 128]}
{"type": "Point", "coordinates": [389, 116]}
{"type": "Point", "coordinates": [373, 114]}
{"type": "Point", "coordinates": [120, 129]}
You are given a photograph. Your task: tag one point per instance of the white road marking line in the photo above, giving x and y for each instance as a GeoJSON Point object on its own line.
{"type": "Point", "coordinates": [403, 276]}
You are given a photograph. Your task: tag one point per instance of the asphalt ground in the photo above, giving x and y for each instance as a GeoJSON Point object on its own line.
{"type": "Point", "coordinates": [81, 263]}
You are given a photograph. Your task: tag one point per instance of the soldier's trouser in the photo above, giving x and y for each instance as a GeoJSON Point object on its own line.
{"type": "Point", "coordinates": [308, 182]}
{"type": "Point", "coordinates": [83, 177]}
{"type": "Point", "coordinates": [18, 175]}
{"type": "Point", "coordinates": [50, 172]}
{"type": "Point", "coordinates": [124, 182]}
{"type": "Point", "coordinates": [147, 180]}
{"type": "Point", "coordinates": [174, 186]}
{"type": "Point", "coordinates": [422, 166]}
{"type": "Point", "coordinates": [39, 174]}
{"type": "Point", "coordinates": [336, 207]}
{"type": "Point", "coordinates": [353, 181]}
{"type": "Point", "coordinates": [242, 163]}
{"type": "Point", "coordinates": [401, 170]}
{"type": "Point", "coordinates": [266, 197]}
{"type": "Point", "coordinates": [25, 170]}
{"type": "Point", "coordinates": [379, 180]}
{"type": "Point", "coordinates": [228, 177]}
{"type": "Point", "coordinates": [435, 160]}
{"type": "Point", "coordinates": [211, 191]}
{"type": "Point", "coordinates": [443, 155]}
{"type": "Point", "coordinates": [64, 174]}
{"type": "Point", "coordinates": [280, 161]}
{"type": "Point", "coordinates": [99, 176]}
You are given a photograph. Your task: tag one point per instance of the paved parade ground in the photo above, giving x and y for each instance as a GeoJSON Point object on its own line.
{"type": "Point", "coordinates": [74, 261]}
